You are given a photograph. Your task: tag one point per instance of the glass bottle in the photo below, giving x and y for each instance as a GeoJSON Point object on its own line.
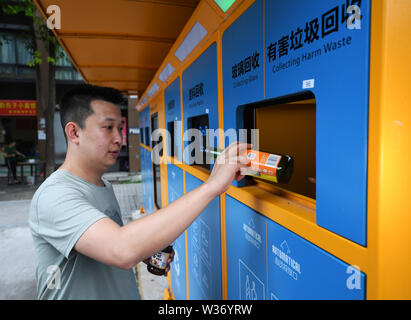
{"type": "Point", "coordinates": [277, 168]}
{"type": "Point", "coordinates": [158, 261]}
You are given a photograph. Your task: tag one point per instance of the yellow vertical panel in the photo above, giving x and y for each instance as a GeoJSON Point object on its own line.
{"type": "Point", "coordinates": [394, 207]}
{"type": "Point", "coordinates": [374, 159]}
{"type": "Point", "coordinates": [223, 247]}
{"type": "Point", "coordinates": [182, 117]}
{"type": "Point", "coordinates": [221, 145]}
{"type": "Point", "coordinates": [186, 243]}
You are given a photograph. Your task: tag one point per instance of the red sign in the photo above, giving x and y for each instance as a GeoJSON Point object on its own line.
{"type": "Point", "coordinates": [124, 131]}
{"type": "Point", "coordinates": [18, 108]}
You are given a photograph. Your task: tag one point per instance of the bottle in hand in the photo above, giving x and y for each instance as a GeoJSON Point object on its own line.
{"type": "Point", "coordinates": [276, 168]}
{"type": "Point", "coordinates": [158, 261]}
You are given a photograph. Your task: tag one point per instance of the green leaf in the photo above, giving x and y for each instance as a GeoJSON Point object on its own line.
{"type": "Point", "coordinates": [51, 60]}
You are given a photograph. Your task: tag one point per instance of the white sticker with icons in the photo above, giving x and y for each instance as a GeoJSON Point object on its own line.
{"type": "Point", "coordinates": [251, 155]}
{"type": "Point", "coordinates": [308, 84]}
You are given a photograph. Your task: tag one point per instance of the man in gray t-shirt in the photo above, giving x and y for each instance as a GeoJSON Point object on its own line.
{"type": "Point", "coordinates": [61, 210]}
{"type": "Point", "coordinates": [82, 249]}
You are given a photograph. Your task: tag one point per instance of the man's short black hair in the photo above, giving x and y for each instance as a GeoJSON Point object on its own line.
{"type": "Point", "coordinates": [75, 106]}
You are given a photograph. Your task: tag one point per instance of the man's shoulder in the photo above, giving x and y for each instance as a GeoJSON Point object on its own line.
{"type": "Point", "coordinates": [54, 192]}
{"type": "Point", "coordinates": [58, 184]}
{"type": "Point", "coordinates": [57, 178]}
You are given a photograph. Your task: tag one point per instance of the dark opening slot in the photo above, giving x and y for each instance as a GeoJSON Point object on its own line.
{"type": "Point", "coordinates": [170, 144]}
{"type": "Point", "coordinates": [156, 163]}
{"type": "Point", "coordinates": [201, 123]}
{"type": "Point", "coordinates": [287, 126]}
{"type": "Point", "coordinates": [147, 136]}
{"type": "Point", "coordinates": [142, 135]}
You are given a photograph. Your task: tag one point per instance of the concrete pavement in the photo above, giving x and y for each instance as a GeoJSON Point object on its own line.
{"type": "Point", "coordinates": [17, 267]}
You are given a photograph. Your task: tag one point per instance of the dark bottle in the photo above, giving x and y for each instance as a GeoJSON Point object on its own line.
{"type": "Point", "coordinates": [158, 261]}
{"type": "Point", "coordinates": [285, 169]}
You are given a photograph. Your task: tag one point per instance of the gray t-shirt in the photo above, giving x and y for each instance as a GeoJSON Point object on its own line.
{"type": "Point", "coordinates": [62, 209]}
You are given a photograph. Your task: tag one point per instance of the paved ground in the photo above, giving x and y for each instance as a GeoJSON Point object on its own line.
{"type": "Point", "coordinates": [17, 267]}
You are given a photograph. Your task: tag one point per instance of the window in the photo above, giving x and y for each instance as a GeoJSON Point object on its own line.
{"type": "Point", "coordinates": [14, 59]}
{"type": "Point", "coordinates": [7, 55]}
{"type": "Point", "coordinates": [23, 54]}
{"type": "Point", "coordinates": [7, 49]}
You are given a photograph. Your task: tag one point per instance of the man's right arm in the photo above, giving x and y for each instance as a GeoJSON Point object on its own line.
{"type": "Point", "coordinates": [125, 246]}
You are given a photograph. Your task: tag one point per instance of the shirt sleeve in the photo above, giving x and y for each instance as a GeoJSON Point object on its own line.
{"type": "Point", "coordinates": [64, 214]}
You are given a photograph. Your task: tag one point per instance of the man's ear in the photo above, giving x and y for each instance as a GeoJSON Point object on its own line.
{"type": "Point", "coordinates": [72, 132]}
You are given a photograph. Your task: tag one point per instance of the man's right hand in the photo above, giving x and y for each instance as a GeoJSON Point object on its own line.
{"type": "Point", "coordinates": [228, 166]}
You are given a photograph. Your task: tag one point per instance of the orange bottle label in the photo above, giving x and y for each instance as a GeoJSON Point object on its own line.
{"type": "Point", "coordinates": [263, 165]}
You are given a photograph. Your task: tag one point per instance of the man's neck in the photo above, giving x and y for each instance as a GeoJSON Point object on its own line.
{"type": "Point", "coordinates": [83, 171]}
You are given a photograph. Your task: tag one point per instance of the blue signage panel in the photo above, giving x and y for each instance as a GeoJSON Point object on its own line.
{"type": "Point", "coordinates": [178, 267]}
{"type": "Point", "coordinates": [200, 96]}
{"type": "Point", "coordinates": [247, 255]}
{"type": "Point", "coordinates": [324, 46]}
{"type": "Point", "coordinates": [173, 118]}
{"type": "Point", "coordinates": [243, 69]}
{"type": "Point", "coordinates": [204, 250]}
{"type": "Point", "coordinates": [297, 269]}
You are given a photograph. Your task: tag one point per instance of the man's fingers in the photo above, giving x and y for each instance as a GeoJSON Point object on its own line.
{"type": "Point", "coordinates": [241, 174]}
{"type": "Point", "coordinates": [243, 160]}
{"type": "Point", "coordinates": [233, 150]}
{"type": "Point", "coordinates": [239, 149]}
{"type": "Point", "coordinates": [238, 161]}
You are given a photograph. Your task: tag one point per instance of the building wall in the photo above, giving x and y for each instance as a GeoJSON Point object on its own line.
{"type": "Point", "coordinates": [133, 139]}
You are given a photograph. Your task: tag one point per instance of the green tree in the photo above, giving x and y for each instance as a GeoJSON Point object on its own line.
{"type": "Point", "coordinates": [45, 51]}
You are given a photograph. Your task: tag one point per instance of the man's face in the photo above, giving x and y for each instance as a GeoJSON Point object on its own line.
{"type": "Point", "coordinates": [100, 139]}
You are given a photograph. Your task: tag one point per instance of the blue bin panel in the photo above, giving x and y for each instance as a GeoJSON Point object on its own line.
{"type": "Point", "coordinates": [200, 95]}
{"type": "Point", "coordinates": [313, 49]}
{"type": "Point", "coordinates": [178, 267]}
{"type": "Point", "coordinates": [297, 269]}
{"type": "Point", "coordinates": [243, 69]}
{"type": "Point", "coordinates": [204, 250]}
{"type": "Point", "coordinates": [246, 252]}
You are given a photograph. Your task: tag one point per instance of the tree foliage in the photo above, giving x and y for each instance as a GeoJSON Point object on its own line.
{"type": "Point", "coordinates": [38, 31]}
{"type": "Point", "coordinates": [39, 35]}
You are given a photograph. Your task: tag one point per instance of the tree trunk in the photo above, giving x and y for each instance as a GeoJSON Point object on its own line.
{"type": "Point", "coordinates": [42, 72]}
{"type": "Point", "coordinates": [46, 94]}
{"type": "Point", "coordinates": [49, 114]}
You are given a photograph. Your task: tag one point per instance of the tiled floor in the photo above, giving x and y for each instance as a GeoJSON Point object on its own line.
{"type": "Point", "coordinates": [128, 197]}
